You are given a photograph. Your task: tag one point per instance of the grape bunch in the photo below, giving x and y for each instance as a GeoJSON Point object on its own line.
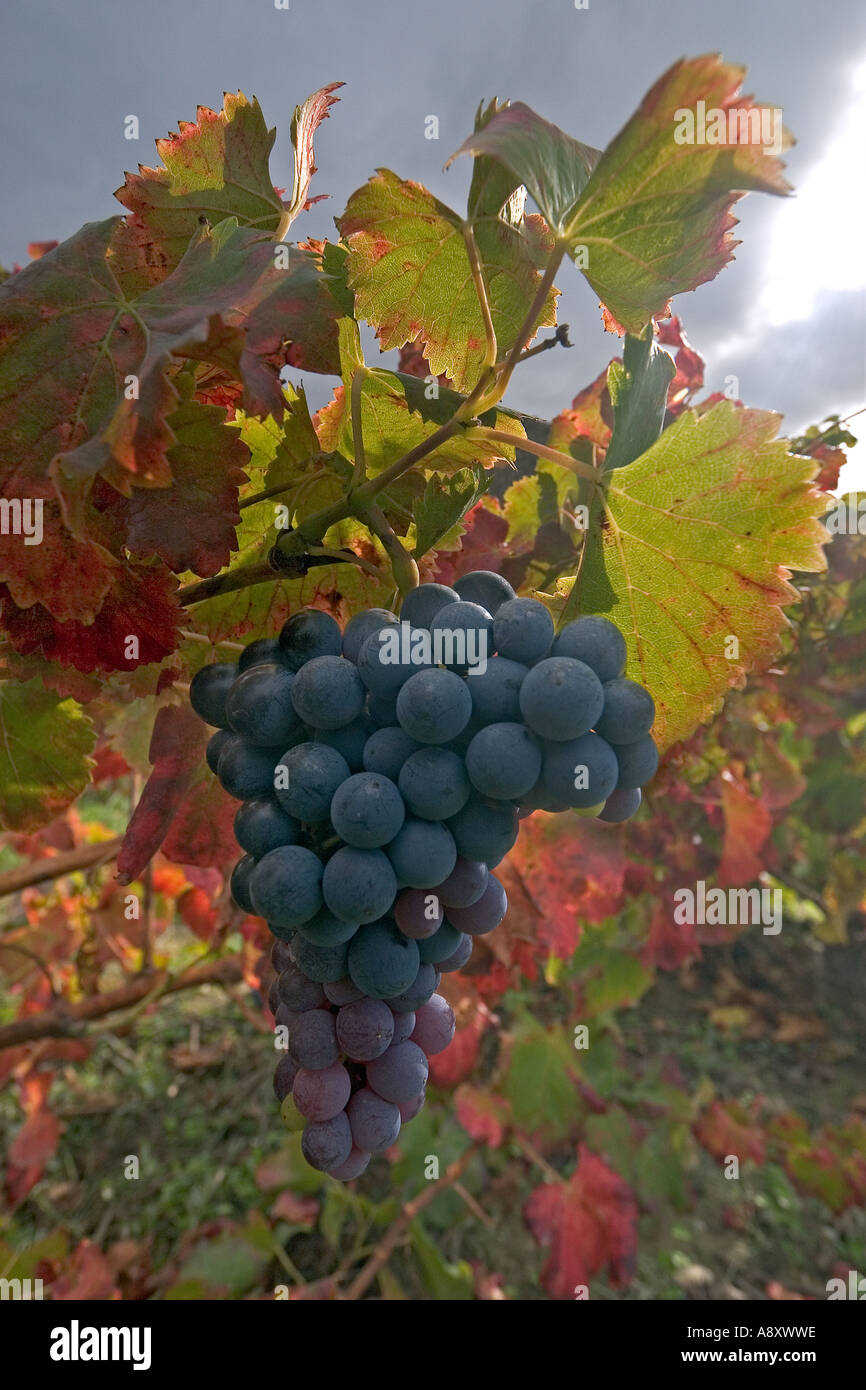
{"type": "Point", "coordinates": [383, 772]}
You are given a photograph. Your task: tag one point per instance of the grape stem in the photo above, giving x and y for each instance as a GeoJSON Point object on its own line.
{"type": "Point", "coordinates": [403, 566]}
{"type": "Point", "coordinates": [542, 451]}
{"type": "Point", "coordinates": [481, 293]}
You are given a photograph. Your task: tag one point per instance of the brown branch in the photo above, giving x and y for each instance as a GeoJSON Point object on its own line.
{"type": "Point", "coordinates": [40, 870]}
{"type": "Point", "coordinates": [64, 1020]}
{"type": "Point", "coordinates": [392, 1237]}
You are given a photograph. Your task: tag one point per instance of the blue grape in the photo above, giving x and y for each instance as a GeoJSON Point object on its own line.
{"type": "Point", "coordinates": [283, 1015]}
{"type": "Point", "coordinates": [246, 772]}
{"type": "Point", "coordinates": [399, 1074]}
{"type": "Point", "coordinates": [496, 691]}
{"type": "Point", "coordinates": [321, 1094]}
{"type": "Point", "coordinates": [486, 588]}
{"type": "Point", "coordinates": [208, 691]}
{"type": "Point", "coordinates": [309, 634]}
{"type": "Point", "coordinates": [421, 605]}
{"type": "Point", "coordinates": [629, 711]}
{"type": "Point", "coordinates": [504, 761]}
{"type": "Point", "coordinates": [327, 930]}
{"type": "Point", "coordinates": [215, 745]}
{"type": "Point", "coordinates": [356, 1164]}
{"type": "Point", "coordinates": [419, 991]}
{"type": "Point", "coordinates": [261, 826]}
{"type": "Point", "coordinates": [404, 1025]}
{"type": "Point", "coordinates": [263, 650]}
{"type": "Point", "coordinates": [259, 706]}
{"type": "Point", "coordinates": [313, 1040]}
{"type": "Point", "coordinates": [434, 706]}
{"type": "Point", "coordinates": [342, 992]}
{"type": "Point", "coordinates": [367, 810]}
{"type": "Point", "coordinates": [359, 628]}
{"type": "Point", "coordinates": [523, 630]}
{"type": "Point", "coordinates": [432, 950]}
{"type": "Point", "coordinates": [327, 1145]}
{"type": "Point", "coordinates": [390, 656]}
{"type": "Point", "coordinates": [374, 1122]}
{"type": "Point", "coordinates": [637, 763]}
{"type": "Point", "coordinates": [313, 772]}
{"type": "Point", "coordinates": [485, 914]}
{"type": "Point", "coordinates": [564, 765]}
{"type": "Point", "coordinates": [434, 783]}
{"type": "Point", "coordinates": [297, 992]}
{"type": "Point", "coordinates": [320, 963]}
{"type": "Point", "coordinates": [458, 957]}
{"type": "Point", "coordinates": [561, 698]}
{"type": "Point", "coordinates": [465, 884]}
{"type": "Point", "coordinates": [410, 1108]}
{"type": "Point", "coordinates": [382, 961]}
{"type": "Point", "coordinates": [484, 829]}
{"type": "Point", "coordinates": [423, 853]}
{"type": "Point", "coordinates": [540, 799]}
{"type": "Point", "coordinates": [382, 709]}
{"type": "Point", "coordinates": [240, 883]}
{"type": "Point", "coordinates": [328, 693]}
{"type": "Point", "coordinates": [435, 1026]}
{"type": "Point", "coordinates": [359, 884]}
{"type": "Point", "coordinates": [597, 643]}
{"type": "Point", "coordinates": [284, 1077]}
{"type": "Point", "coordinates": [365, 1029]}
{"type": "Point", "coordinates": [386, 751]}
{"type": "Point", "coordinates": [621, 805]}
{"type": "Point", "coordinates": [418, 913]}
{"type": "Point", "coordinates": [349, 741]}
{"type": "Point", "coordinates": [286, 885]}
{"type": "Point", "coordinates": [462, 636]}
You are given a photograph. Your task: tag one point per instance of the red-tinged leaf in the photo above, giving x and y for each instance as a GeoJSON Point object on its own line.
{"type": "Point", "coordinates": [88, 1277]}
{"type": "Point", "coordinates": [108, 764]}
{"type": "Point", "coordinates": [460, 1056]}
{"type": "Point", "coordinates": [574, 870]}
{"type": "Point", "coordinates": [777, 1292]}
{"type": "Point", "coordinates": [481, 545]}
{"type": "Point", "coordinates": [305, 122]}
{"type": "Point", "coordinates": [202, 827]}
{"type": "Point", "coordinates": [141, 604]}
{"type": "Point", "coordinates": [832, 461]}
{"type": "Point", "coordinates": [73, 566]}
{"type": "Point", "coordinates": [297, 1210]}
{"type": "Point", "coordinates": [484, 1116]}
{"type": "Point", "coordinates": [748, 824]}
{"type": "Point", "coordinates": [588, 1223]}
{"type": "Point", "coordinates": [668, 944]}
{"type": "Point", "coordinates": [590, 417]}
{"type": "Point", "coordinates": [176, 750]}
{"type": "Point", "coordinates": [36, 1140]}
{"type": "Point", "coordinates": [64, 681]}
{"type": "Point", "coordinates": [37, 249]}
{"type": "Point", "coordinates": [726, 1128]}
{"type": "Point", "coordinates": [197, 910]}
{"type": "Point", "coordinates": [45, 745]}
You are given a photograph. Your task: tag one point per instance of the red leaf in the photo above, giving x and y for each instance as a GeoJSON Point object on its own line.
{"type": "Point", "coordinates": [574, 870]}
{"type": "Point", "coordinates": [747, 827]}
{"type": "Point", "coordinates": [202, 829]}
{"type": "Point", "coordinates": [36, 1140]}
{"type": "Point", "coordinates": [87, 1277]}
{"type": "Point", "coordinates": [482, 546]}
{"type": "Point", "coordinates": [587, 1223]}
{"type": "Point", "coordinates": [668, 944]}
{"type": "Point", "coordinates": [590, 416]}
{"type": "Point", "coordinates": [483, 1116]}
{"type": "Point", "coordinates": [726, 1128]}
{"type": "Point", "coordinates": [458, 1060]}
{"type": "Point", "coordinates": [176, 749]}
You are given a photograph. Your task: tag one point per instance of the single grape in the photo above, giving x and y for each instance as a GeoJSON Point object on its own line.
{"type": "Point", "coordinates": [462, 636]}
{"type": "Point", "coordinates": [561, 698]}
{"type": "Point", "coordinates": [382, 961]}
{"type": "Point", "coordinates": [322, 1093]}
{"type": "Point", "coordinates": [354, 1166]}
{"type": "Point", "coordinates": [320, 963]}
{"type": "Point", "coordinates": [418, 913]}
{"type": "Point", "coordinates": [399, 1074]}
{"type": "Point", "coordinates": [435, 1026]}
{"type": "Point", "coordinates": [523, 630]}
{"type": "Point", "coordinates": [261, 825]}
{"type": "Point", "coordinates": [423, 853]}
{"type": "Point", "coordinates": [359, 628]}
{"type": "Point", "coordinates": [484, 829]}
{"type": "Point", "coordinates": [459, 957]}
{"type": "Point", "coordinates": [582, 772]}
{"type": "Point", "coordinates": [485, 914]}
{"type": "Point", "coordinates": [283, 934]}
{"type": "Point", "coordinates": [375, 1123]}
{"type": "Point", "coordinates": [486, 588]}
{"type": "Point", "coordinates": [313, 1040]}
{"type": "Point", "coordinates": [349, 741]}
{"type": "Point", "coordinates": [327, 930]}
{"type": "Point", "coordinates": [421, 604]}
{"type": "Point", "coordinates": [386, 751]}
{"type": "Point", "coordinates": [342, 992]}
{"type": "Point", "coordinates": [245, 771]}
{"type": "Point", "coordinates": [390, 656]}
{"type": "Point", "coordinates": [434, 706]}
{"type": "Point", "coordinates": [240, 883]}
{"type": "Point", "coordinates": [208, 690]}
{"type": "Point", "coordinates": [260, 706]}
{"type": "Point", "coordinates": [280, 955]}
{"type": "Point", "coordinates": [422, 987]}
{"type": "Point", "coordinates": [215, 745]}
{"type": "Point", "coordinates": [359, 884]}
{"type": "Point", "coordinates": [284, 1077]}
{"type": "Point", "coordinates": [435, 949]}
{"type": "Point", "coordinates": [273, 997]}
{"type": "Point", "coordinates": [637, 763]}
{"type": "Point", "coordinates": [621, 805]}
{"type": "Point", "coordinates": [283, 1015]}
{"type": "Point", "coordinates": [496, 691]}
{"type": "Point", "coordinates": [307, 777]}
{"type": "Point", "coordinates": [297, 992]}
{"type": "Point", "coordinates": [327, 1145]}
{"type": "Point", "coordinates": [286, 885]}
{"type": "Point", "coordinates": [367, 810]}
{"type": "Point", "coordinates": [465, 884]}
{"type": "Point", "coordinates": [309, 634]}
{"type": "Point", "coordinates": [260, 653]}
{"type": "Point", "coordinates": [434, 783]}
{"type": "Point", "coordinates": [629, 711]}
{"type": "Point", "coordinates": [596, 642]}
{"type": "Point", "coordinates": [410, 1108]}
{"type": "Point", "coordinates": [504, 761]}
{"type": "Point", "coordinates": [365, 1029]}
{"type": "Point", "coordinates": [328, 693]}
{"type": "Point", "coordinates": [404, 1025]}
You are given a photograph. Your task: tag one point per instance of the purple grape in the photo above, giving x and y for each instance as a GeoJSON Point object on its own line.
{"type": "Point", "coordinates": [458, 957]}
{"type": "Point", "coordinates": [313, 1040]}
{"type": "Point", "coordinates": [404, 1024]}
{"type": "Point", "coordinates": [342, 992]}
{"type": "Point", "coordinates": [399, 1074]}
{"type": "Point", "coordinates": [439, 947]}
{"type": "Point", "coordinates": [354, 1166]}
{"type": "Point", "coordinates": [327, 1144]}
{"type": "Point", "coordinates": [284, 1077]}
{"type": "Point", "coordinates": [482, 917]}
{"type": "Point", "coordinates": [420, 990]}
{"type": "Point", "coordinates": [465, 884]}
{"type": "Point", "coordinates": [280, 955]}
{"type": "Point", "coordinates": [322, 1094]}
{"type": "Point", "coordinates": [434, 1026]}
{"type": "Point", "coordinates": [299, 993]}
{"type": "Point", "coordinates": [285, 1016]}
{"type": "Point", "coordinates": [375, 1123]}
{"type": "Point", "coordinates": [410, 1108]}
{"type": "Point", "coordinates": [418, 913]}
{"type": "Point", "coordinates": [365, 1029]}
{"type": "Point", "coordinates": [274, 997]}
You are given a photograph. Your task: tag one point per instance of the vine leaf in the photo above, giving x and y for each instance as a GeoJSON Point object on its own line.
{"type": "Point", "coordinates": [176, 750]}
{"type": "Point", "coordinates": [409, 267]}
{"type": "Point", "coordinates": [442, 506]}
{"type": "Point", "coordinates": [691, 555]}
{"type": "Point", "coordinates": [45, 743]}
{"type": "Point", "coordinates": [638, 387]}
{"type": "Point", "coordinates": [588, 1223]}
{"type": "Point", "coordinates": [305, 122]}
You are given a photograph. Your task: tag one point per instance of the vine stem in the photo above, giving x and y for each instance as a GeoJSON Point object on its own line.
{"type": "Point", "coordinates": [582, 470]}
{"type": "Point", "coordinates": [403, 566]}
{"type": "Point", "coordinates": [359, 472]}
{"type": "Point", "coordinates": [481, 293]}
{"type": "Point", "coordinates": [527, 328]}
{"type": "Point", "coordinates": [42, 870]}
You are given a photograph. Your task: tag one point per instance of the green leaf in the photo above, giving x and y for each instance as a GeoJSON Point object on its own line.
{"type": "Point", "coordinates": [444, 1280]}
{"type": "Point", "coordinates": [638, 388]}
{"type": "Point", "coordinates": [409, 267]}
{"type": "Point", "coordinates": [540, 1081]}
{"type": "Point", "coordinates": [623, 979]}
{"type": "Point", "coordinates": [443, 504]}
{"type": "Point", "coordinates": [44, 747]}
{"type": "Point", "coordinates": [693, 545]}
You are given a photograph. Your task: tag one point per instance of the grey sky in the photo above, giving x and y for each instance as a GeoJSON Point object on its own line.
{"type": "Point", "coordinates": [72, 72]}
